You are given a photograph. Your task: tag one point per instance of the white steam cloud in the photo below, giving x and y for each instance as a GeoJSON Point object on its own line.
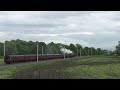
{"type": "Point", "coordinates": [66, 51]}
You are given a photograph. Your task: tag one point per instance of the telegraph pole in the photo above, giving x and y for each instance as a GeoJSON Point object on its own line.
{"type": "Point", "coordinates": [4, 49]}
{"type": "Point", "coordinates": [42, 50]}
{"type": "Point", "coordinates": [77, 51]}
{"type": "Point", "coordinates": [88, 51]}
{"type": "Point", "coordinates": [80, 52]}
{"type": "Point", "coordinates": [64, 50]}
{"type": "Point", "coordinates": [97, 52]}
{"type": "Point", "coordinates": [101, 52]}
{"type": "Point", "coordinates": [37, 51]}
{"type": "Point", "coordinates": [91, 51]}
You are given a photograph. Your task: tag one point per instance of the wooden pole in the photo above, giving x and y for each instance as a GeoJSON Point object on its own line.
{"type": "Point", "coordinates": [4, 48]}
{"type": "Point", "coordinates": [37, 52]}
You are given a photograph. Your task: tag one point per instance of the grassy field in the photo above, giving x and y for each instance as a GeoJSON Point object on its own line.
{"type": "Point", "coordinates": [1, 61]}
{"type": "Point", "coordinates": [74, 68]}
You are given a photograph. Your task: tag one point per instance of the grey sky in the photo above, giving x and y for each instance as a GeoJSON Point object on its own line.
{"type": "Point", "coordinates": [89, 28]}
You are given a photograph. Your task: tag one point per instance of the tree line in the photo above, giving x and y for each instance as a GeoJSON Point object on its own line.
{"type": "Point", "coordinates": [21, 47]}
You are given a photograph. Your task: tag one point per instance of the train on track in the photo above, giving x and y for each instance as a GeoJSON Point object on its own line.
{"type": "Point", "coordinates": [8, 59]}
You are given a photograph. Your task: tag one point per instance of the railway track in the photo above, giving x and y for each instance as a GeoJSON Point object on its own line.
{"type": "Point", "coordinates": [3, 65]}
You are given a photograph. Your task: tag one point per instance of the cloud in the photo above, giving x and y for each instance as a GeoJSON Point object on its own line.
{"type": "Point", "coordinates": [89, 28]}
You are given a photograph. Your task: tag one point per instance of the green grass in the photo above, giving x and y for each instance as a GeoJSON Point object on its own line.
{"type": "Point", "coordinates": [1, 61]}
{"type": "Point", "coordinates": [8, 70]}
{"type": "Point", "coordinates": [73, 68]}
{"type": "Point", "coordinates": [96, 68]}
{"type": "Point", "coordinates": [110, 71]}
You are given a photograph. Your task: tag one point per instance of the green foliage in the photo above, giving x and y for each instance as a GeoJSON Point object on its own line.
{"type": "Point", "coordinates": [53, 48]}
{"type": "Point", "coordinates": [1, 49]}
{"type": "Point", "coordinates": [73, 49]}
{"type": "Point", "coordinates": [21, 47]}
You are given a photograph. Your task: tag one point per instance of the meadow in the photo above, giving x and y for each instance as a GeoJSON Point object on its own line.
{"type": "Point", "coordinates": [96, 67]}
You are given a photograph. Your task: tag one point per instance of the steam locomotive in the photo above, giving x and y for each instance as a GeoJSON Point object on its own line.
{"type": "Point", "coordinates": [8, 59]}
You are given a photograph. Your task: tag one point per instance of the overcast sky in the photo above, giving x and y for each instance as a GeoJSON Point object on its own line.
{"type": "Point", "coordinates": [88, 28]}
